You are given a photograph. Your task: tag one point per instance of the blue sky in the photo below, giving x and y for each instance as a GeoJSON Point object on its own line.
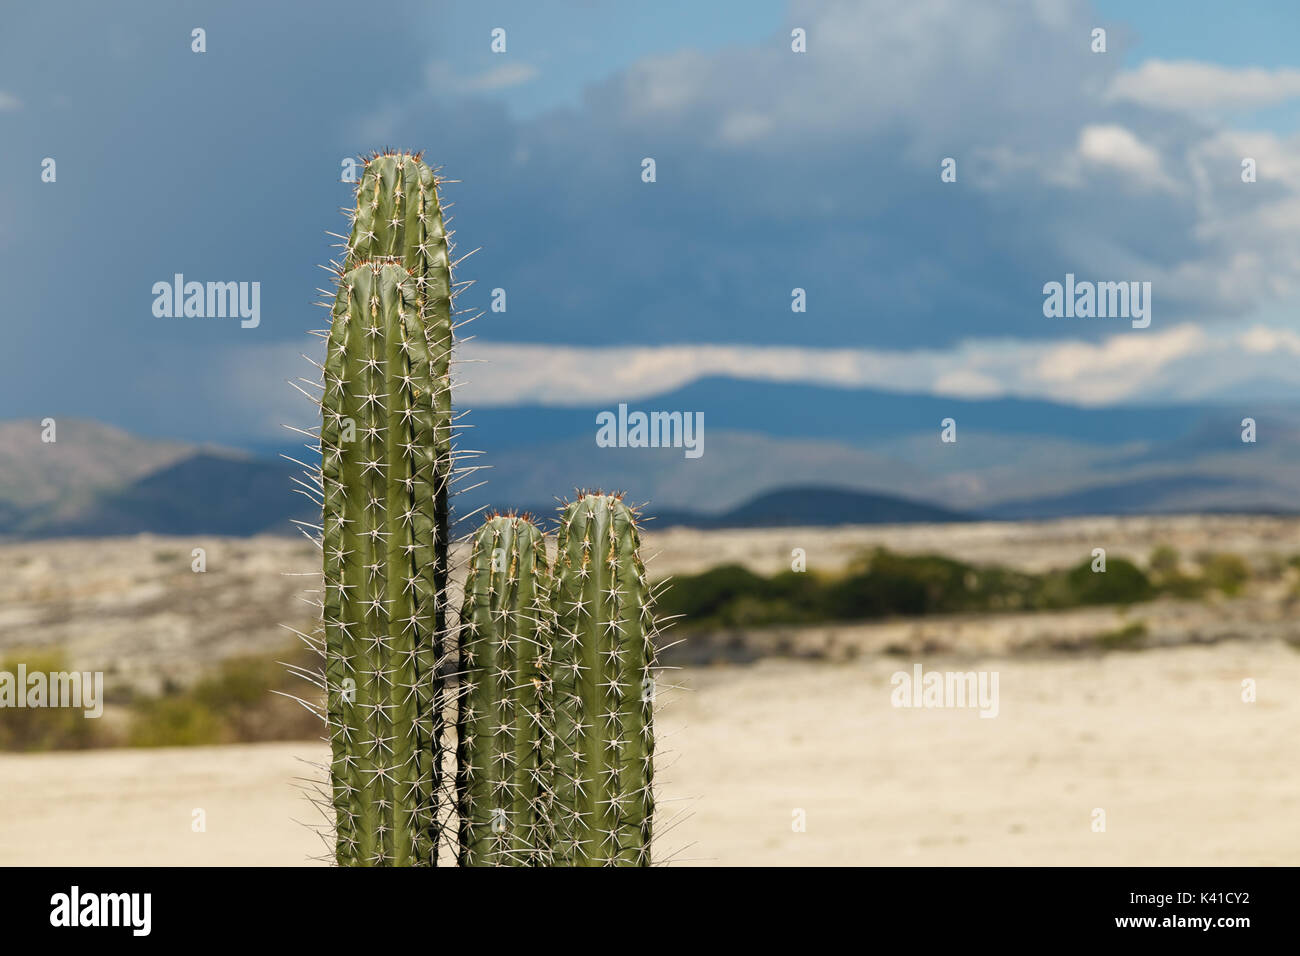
{"type": "Point", "coordinates": [574, 45]}
{"type": "Point", "coordinates": [1244, 34]}
{"type": "Point", "coordinates": [775, 170]}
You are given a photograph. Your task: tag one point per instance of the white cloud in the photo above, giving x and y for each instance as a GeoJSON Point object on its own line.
{"type": "Point", "coordinates": [666, 83]}
{"type": "Point", "coordinates": [1180, 363]}
{"type": "Point", "coordinates": [1119, 148]}
{"type": "Point", "coordinates": [1261, 340]}
{"type": "Point", "coordinates": [1184, 362]}
{"type": "Point", "coordinates": [1193, 86]}
{"type": "Point", "coordinates": [745, 127]}
{"type": "Point", "coordinates": [502, 78]}
{"type": "Point", "coordinates": [9, 102]}
{"type": "Point", "coordinates": [1114, 369]}
{"type": "Point", "coordinates": [443, 80]}
{"type": "Point", "coordinates": [968, 383]}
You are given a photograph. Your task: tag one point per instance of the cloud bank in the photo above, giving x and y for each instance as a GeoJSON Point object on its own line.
{"type": "Point", "coordinates": [1184, 364]}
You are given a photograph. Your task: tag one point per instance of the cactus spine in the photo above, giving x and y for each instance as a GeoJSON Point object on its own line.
{"type": "Point", "coordinates": [602, 672]}
{"type": "Point", "coordinates": [385, 469]}
{"type": "Point", "coordinates": [503, 725]}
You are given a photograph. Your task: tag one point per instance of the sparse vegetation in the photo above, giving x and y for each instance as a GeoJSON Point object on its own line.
{"type": "Point", "coordinates": [1224, 572]}
{"type": "Point", "coordinates": [1122, 583]}
{"type": "Point", "coordinates": [1165, 568]}
{"type": "Point", "coordinates": [236, 704]}
{"type": "Point", "coordinates": [46, 728]}
{"type": "Point", "coordinates": [1163, 562]}
{"type": "Point", "coordinates": [884, 584]}
{"type": "Point", "coordinates": [1127, 637]}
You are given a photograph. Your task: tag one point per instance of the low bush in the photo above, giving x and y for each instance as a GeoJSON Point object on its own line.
{"type": "Point", "coordinates": [882, 584]}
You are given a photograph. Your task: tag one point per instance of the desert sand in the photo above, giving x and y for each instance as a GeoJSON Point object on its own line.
{"type": "Point", "coordinates": [1161, 740]}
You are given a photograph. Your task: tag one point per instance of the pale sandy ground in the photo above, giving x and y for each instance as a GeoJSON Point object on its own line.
{"type": "Point", "coordinates": [1186, 772]}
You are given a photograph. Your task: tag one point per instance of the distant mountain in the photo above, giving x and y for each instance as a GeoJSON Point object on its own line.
{"type": "Point", "coordinates": [852, 416]}
{"type": "Point", "coordinates": [811, 507]}
{"type": "Point", "coordinates": [94, 479]}
{"type": "Point", "coordinates": [203, 494]}
{"type": "Point", "coordinates": [226, 495]}
{"type": "Point", "coordinates": [772, 454]}
{"type": "Point", "coordinates": [1170, 494]}
{"type": "Point", "coordinates": [85, 458]}
{"type": "Point", "coordinates": [735, 467]}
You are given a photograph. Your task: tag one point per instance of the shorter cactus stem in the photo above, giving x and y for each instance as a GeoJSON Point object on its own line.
{"type": "Point", "coordinates": [503, 722]}
{"type": "Point", "coordinates": [603, 678]}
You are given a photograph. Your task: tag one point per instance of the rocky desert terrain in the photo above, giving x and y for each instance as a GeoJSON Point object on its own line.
{"type": "Point", "coordinates": [782, 745]}
{"type": "Point", "coordinates": [134, 608]}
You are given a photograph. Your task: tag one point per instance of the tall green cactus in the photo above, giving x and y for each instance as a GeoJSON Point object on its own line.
{"type": "Point", "coordinates": [602, 672]}
{"type": "Point", "coordinates": [503, 724]}
{"type": "Point", "coordinates": [385, 475]}
{"type": "Point", "coordinates": [399, 214]}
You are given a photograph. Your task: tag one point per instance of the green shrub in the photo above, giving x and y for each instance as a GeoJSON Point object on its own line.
{"type": "Point", "coordinates": [30, 729]}
{"type": "Point", "coordinates": [1163, 562]}
{"type": "Point", "coordinates": [1184, 586]}
{"type": "Point", "coordinates": [734, 596]}
{"type": "Point", "coordinates": [175, 721]}
{"type": "Point", "coordinates": [881, 584]}
{"type": "Point", "coordinates": [236, 704]}
{"type": "Point", "coordinates": [1121, 583]}
{"type": "Point", "coordinates": [885, 584]}
{"type": "Point", "coordinates": [1225, 572]}
{"type": "Point", "coordinates": [1125, 638]}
